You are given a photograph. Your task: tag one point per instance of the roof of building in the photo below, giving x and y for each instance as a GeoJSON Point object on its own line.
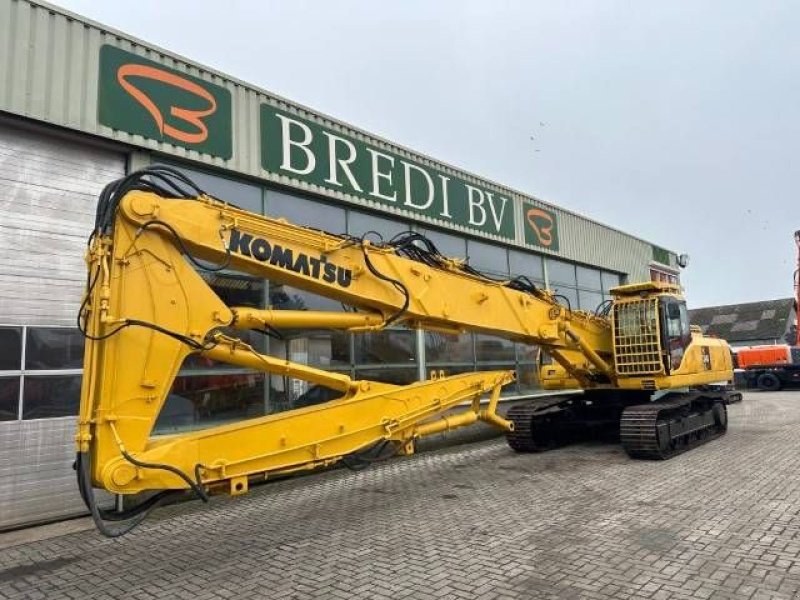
{"type": "Point", "coordinates": [742, 322]}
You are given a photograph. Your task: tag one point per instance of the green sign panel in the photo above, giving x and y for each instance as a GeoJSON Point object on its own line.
{"type": "Point", "coordinates": [143, 97]}
{"type": "Point", "coordinates": [304, 150]}
{"type": "Point", "coordinates": [540, 226]}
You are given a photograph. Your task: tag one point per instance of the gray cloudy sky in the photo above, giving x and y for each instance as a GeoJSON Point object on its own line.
{"type": "Point", "coordinates": [676, 121]}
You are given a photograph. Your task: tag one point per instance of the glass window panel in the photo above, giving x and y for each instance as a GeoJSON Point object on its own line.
{"type": "Point", "coordinates": [323, 347]}
{"type": "Point", "coordinates": [314, 394]}
{"type": "Point", "coordinates": [610, 280]}
{"type": "Point", "coordinates": [238, 193]}
{"type": "Point", "coordinates": [589, 278]}
{"type": "Point", "coordinates": [9, 398]}
{"type": "Point", "coordinates": [359, 223]}
{"type": "Point", "coordinates": [449, 245]}
{"type": "Point", "coordinates": [560, 272]}
{"type": "Point", "coordinates": [302, 211]}
{"type": "Point", "coordinates": [200, 401]}
{"type": "Point", "coordinates": [493, 349]}
{"type": "Point", "coordinates": [589, 301]}
{"type": "Point", "coordinates": [10, 348]}
{"type": "Point", "coordinates": [447, 348]}
{"type": "Point", "coordinates": [525, 263]}
{"type": "Point", "coordinates": [236, 290]}
{"type": "Point", "coordinates": [487, 257]}
{"type": "Point", "coordinates": [47, 396]}
{"type": "Point", "coordinates": [53, 348]}
{"type": "Point", "coordinates": [571, 295]}
{"type": "Point", "coordinates": [284, 297]}
{"type": "Point", "coordinates": [317, 348]}
{"type": "Point", "coordinates": [527, 378]}
{"type": "Point", "coordinates": [394, 346]}
{"type": "Point", "coordinates": [527, 353]}
{"type": "Point", "coordinates": [287, 393]}
{"type": "Point", "coordinates": [401, 376]}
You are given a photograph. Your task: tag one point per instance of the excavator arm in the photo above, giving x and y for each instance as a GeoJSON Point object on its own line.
{"type": "Point", "coordinates": [147, 309]}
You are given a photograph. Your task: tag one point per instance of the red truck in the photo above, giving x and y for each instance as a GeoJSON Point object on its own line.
{"type": "Point", "coordinates": [769, 368]}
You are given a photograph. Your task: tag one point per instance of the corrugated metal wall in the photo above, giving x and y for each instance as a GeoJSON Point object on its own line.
{"type": "Point", "coordinates": [49, 71]}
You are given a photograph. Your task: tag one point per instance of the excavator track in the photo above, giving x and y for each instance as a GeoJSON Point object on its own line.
{"type": "Point", "coordinates": [538, 425]}
{"type": "Point", "coordinates": [661, 430]}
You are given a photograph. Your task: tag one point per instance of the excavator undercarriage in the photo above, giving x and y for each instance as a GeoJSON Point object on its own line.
{"type": "Point", "coordinates": [647, 429]}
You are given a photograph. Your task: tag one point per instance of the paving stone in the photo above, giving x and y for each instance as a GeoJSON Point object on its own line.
{"type": "Point", "coordinates": [474, 521]}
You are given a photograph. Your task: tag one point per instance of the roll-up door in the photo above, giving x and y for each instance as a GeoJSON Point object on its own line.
{"type": "Point", "coordinates": [48, 193]}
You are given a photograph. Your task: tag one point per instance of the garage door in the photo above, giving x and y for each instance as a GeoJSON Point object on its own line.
{"type": "Point", "coordinates": [48, 192]}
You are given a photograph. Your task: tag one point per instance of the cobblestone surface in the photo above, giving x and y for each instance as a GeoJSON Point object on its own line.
{"type": "Point", "coordinates": [474, 521]}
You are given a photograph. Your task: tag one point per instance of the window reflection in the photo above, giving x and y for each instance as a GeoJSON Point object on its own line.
{"type": "Point", "coordinates": [393, 346]}
{"type": "Point", "coordinates": [609, 280]}
{"type": "Point", "coordinates": [525, 263]}
{"type": "Point", "coordinates": [319, 349]}
{"type": "Point", "coordinates": [493, 349]}
{"type": "Point", "coordinates": [243, 195]}
{"type": "Point", "coordinates": [590, 301]}
{"type": "Point", "coordinates": [9, 398]}
{"type": "Point", "coordinates": [589, 278]}
{"type": "Point", "coordinates": [527, 378]}
{"type": "Point", "coordinates": [560, 272]}
{"type": "Point", "coordinates": [53, 348]}
{"type": "Point", "coordinates": [527, 353]}
{"type": "Point", "coordinates": [449, 245]}
{"type": "Point", "coordinates": [49, 396]}
{"type": "Point", "coordinates": [288, 393]}
{"type": "Point", "coordinates": [569, 296]}
{"type": "Point", "coordinates": [487, 257]}
{"type": "Point", "coordinates": [448, 348]}
{"type": "Point", "coordinates": [10, 348]}
{"type": "Point", "coordinates": [395, 376]}
{"type": "Point", "coordinates": [200, 401]}
{"type": "Point", "coordinates": [359, 223]}
{"type": "Point", "coordinates": [301, 211]}
{"type": "Point", "coordinates": [284, 297]}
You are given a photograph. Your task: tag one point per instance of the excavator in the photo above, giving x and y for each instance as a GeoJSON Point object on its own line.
{"type": "Point", "coordinates": [634, 364]}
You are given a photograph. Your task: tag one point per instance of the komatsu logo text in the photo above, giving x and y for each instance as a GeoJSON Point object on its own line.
{"type": "Point", "coordinates": [285, 258]}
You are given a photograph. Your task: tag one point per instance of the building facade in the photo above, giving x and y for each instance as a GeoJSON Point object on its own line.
{"type": "Point", "coordinates": [82, 104]}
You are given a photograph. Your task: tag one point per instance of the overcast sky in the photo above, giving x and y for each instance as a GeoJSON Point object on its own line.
{"type": "Point", "coordinates": [675, 121]}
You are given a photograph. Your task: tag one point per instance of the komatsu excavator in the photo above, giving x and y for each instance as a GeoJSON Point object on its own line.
{"type": "Point", "coordinates": [635, 363]}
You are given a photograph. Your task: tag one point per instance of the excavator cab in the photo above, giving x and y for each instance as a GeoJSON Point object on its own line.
{"type": "Point", "coordinates": [654, 345]}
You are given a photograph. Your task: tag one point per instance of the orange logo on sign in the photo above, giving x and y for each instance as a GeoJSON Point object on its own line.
{"type": "Point", "coordinates": [542, 224]}
{"type": "Point", "coordinates": [189, 116]}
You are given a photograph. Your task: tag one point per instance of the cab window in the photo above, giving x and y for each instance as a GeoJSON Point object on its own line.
{"type": "Point", "coordinates": [676, 336]}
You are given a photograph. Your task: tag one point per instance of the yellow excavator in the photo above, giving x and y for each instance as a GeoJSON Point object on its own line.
{"type": "Point", "coordinates": [640, 366]}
